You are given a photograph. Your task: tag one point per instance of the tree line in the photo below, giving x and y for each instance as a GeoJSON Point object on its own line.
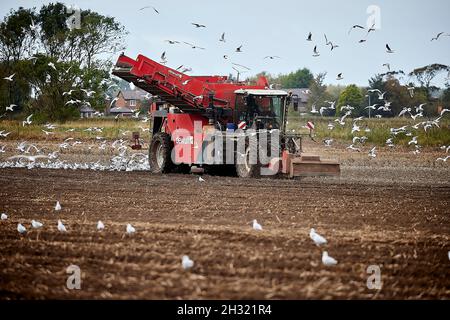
{"type": "Point", "coordinates": [53, 58]}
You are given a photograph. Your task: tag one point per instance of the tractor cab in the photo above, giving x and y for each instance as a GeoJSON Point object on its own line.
{"type": "Point", "coordinates": [260, 109]}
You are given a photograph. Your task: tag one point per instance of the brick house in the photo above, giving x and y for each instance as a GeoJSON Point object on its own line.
{"type": "Point", "coordinates": [132, 100]}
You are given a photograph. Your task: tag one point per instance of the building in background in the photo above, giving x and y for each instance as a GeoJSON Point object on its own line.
{"type": "Point", "coordinates": [128, 102]}
{"type": "Point", "coordinates": [302, 95]}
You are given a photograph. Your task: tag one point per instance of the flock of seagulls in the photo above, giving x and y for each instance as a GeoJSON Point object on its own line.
{"type": "Point", "coordinates": [186, 262]}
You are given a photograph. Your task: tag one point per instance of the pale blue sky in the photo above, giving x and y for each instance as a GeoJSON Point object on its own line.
{"type": "Point", "coordinates": [280, 28]}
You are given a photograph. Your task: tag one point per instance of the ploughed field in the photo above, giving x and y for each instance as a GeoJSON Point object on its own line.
{"type": "Point", "coordinates": [392, 212]}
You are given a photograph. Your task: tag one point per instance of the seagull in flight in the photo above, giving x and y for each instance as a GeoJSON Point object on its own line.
{"type": "Point", "coordinates": [443, 159]}
{"type": "Point", "coordinates": [27, 121]}
{"type": "Point", "coordinates": [387, 65]}
{"type": "Point", "coordinates": [172, 41]}
{"type": "Point", "coordinates": [356, 26]}
{"type": "Point", "coordinates": [272, 57]}
{"type": "Point", "coordinates": [10, 78]}
{"type": "Point", "coordinates": [388, 49]}
{"type": "Point", "coordinates": [52, 65]}
{"type": "Point", "coordinates": [438, 36]}
{"type": "Point", "coordinates": [222, 37]}
{"type": "Point", "coordinates": [193, 46]}
{"type": "Point", "coordinates": [148, 7]}
{"type": "Point", "coordinates": [316, 53]}
{"type": "Point", "coordinates": [11, 107]}
{"type": "Point", "coordinates": [239, 49]}
{"type": "Point", "coordinates": [197, 25]}
{"type": "Point", "coordinates": [29, 158]}
{"type": "Point", "coordinates": [163, 58]}
{"type": "Point", "coordinates": [339, 77]}
{"type": "Point", "coordinates": [309, 37]}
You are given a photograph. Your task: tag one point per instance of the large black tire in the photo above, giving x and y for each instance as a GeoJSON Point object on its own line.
{"type": "Point", "coordinates": [160, 153]}
{"type": "Point", "coordinates": [245, 169]}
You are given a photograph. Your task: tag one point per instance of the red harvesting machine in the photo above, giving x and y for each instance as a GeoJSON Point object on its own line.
{"type": "Point", "coordinates": [217, 124]}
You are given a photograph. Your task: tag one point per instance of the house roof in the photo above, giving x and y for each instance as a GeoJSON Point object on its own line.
{"type": "Point", "coordinates": [136, 94]}
{"type": "Point", "coordinates": [303, 93]}
{"type": "Point", "coordinates": [120, 110]}
{"type": "Point", "coordinates": [86, 108]}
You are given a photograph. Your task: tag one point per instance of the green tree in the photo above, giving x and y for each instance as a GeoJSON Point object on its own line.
{"type": "Point", "coordinates": [352, 96]}
{"type": "Point", "coordinates": [301, 78]}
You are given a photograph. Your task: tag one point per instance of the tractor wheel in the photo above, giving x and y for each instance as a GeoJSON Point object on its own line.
{"type": "Point", "coordinates": [160, 153]}
{"type": "Point", "coordinates": [245, 169]}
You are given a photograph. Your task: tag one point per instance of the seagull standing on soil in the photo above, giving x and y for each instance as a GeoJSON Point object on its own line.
{"type": "Point", "coordinates": [21, 229]}
{"type": "Point", "coordinates": [4, 216]}
{"type": "Point", "coordinates": [36, 224]}
{"type": "Point", "coordinates": [100, 225]}
{"type": "Point", "coordinates": [327, 260]}
{"type": "Point", "coordinates": [186, 263]}
{"type": "Point", "coordinates": [256, 226]}
{"type": "Point", "coordinates": [130, 229]}
{"type": "Point", "coordinates": [317, 238]}
{"type": "Point", "coordinates": [61, 226]}
{"type": "Point", "coordinates": [57, 206]}
{"type": "Point", "coordinates": [200, 179]}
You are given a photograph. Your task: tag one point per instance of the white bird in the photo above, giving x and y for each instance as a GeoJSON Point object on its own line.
{"type": "Point", "coordinates": [372, 153]}
{"type": "Point", "coordinates": [443, 159]}
{"type": "Point", "coordinates": [222, 37]}
{"type": "Point", "coordinates": [201, 179]}
{"type": "Point", "coordinates": [61, 226]}
{"type": "Point", "coordinates": [328, 142]}
{"type": "Point", "coordinates": [130, 229]}
{"type": "Point", "coordinates": [388, 49]}
{"type": "Point", "coordinates": [36, 224]}
{"type": "Point", "coordinates": [10, 78]}
{"type": "Point", "coordinates": [327, 260]}
{"type": "Point", "coordinates": [186, 263]}
{"type": "Point", "coordinates": [29, 158]}
{"type": "Point", "coordinates": [444, 111]}
{"type": "Point", "coordinates": [147, 7]}
{"type": "Point", "coordinates": [47, 132]}
{"type": "Point", "coordinates": [316, 53]}
{"type": "Point", "coordinates": [27, 121]}
{"type": "Point", "coordinates": [413, 141]}
{"type": "Point", "coordinates": [353, 148]}
{"type": "Point", "coordinates": [33, 27]}
{"type": "Point", "coordinates": [113, 100]}
{"type": "Point", "coordinates": [52, 65]}
{"type": "Point", "coordinates": [339, 77]}
{"type": "Point", "coordinates": [100, 225]}
{"type": "Point", "coordinates": [317, 238]}
{"type": "Point", "coordinates": [57, 206]}
{"type": "Point", "coordinates": [11, 107]}
{"type": "Point", "coordinates": [256, 226]}
{"type": "Point", "coordinates": [89, 93]}
{"type": "Point", "coordinates": [4, 216]}
{"type": "Point", "coordinates": [21, 228]}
